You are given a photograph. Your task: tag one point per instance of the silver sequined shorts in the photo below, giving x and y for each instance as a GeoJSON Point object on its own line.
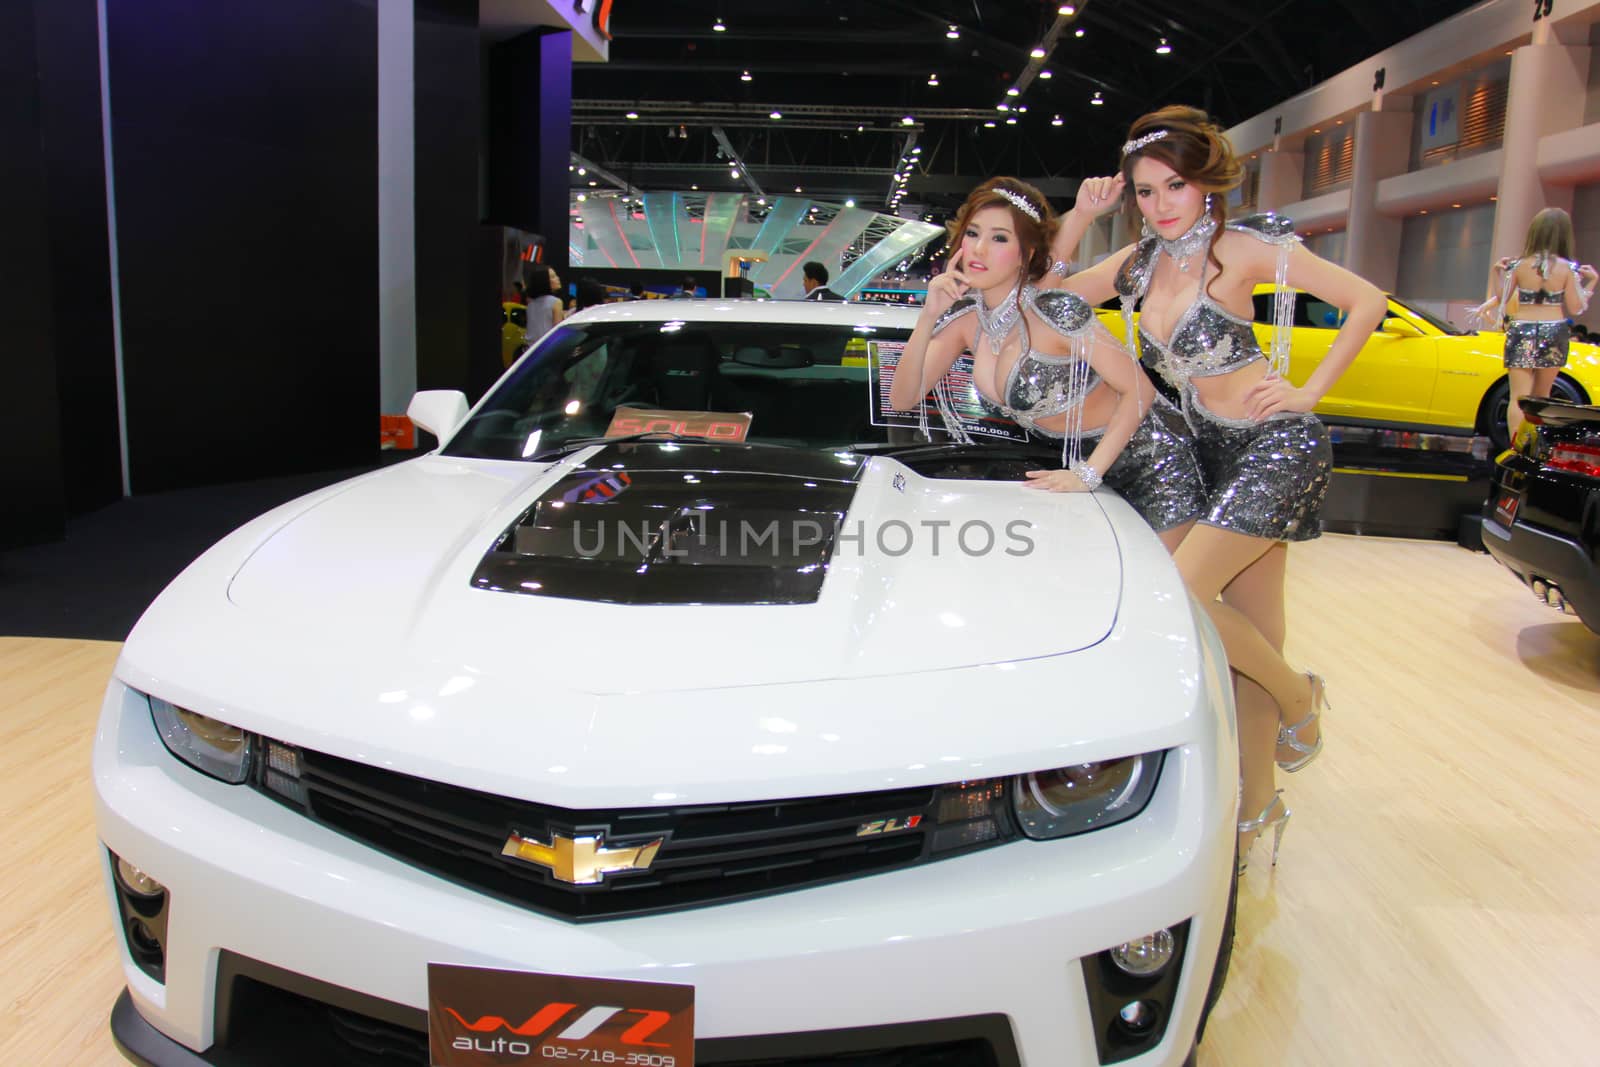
{"type": "Point", "coordinates": [1157, 473]}
{"type": "Point", "coordinates": [1263, 479]}
{"type": "Point", "coordinates": [1537, 345]}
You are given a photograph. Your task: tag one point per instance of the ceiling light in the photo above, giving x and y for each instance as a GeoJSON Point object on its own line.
{"type": "Point", "coordinates": [1067, 10]}
{"type": "Point", "coordinates": [1002, 107]}
{"type": "Point", "coordinates": [776, 114]}
{"type": "Point", "coordinates": [745, 77]}
{"type": "Point", "coordinates": [569, 168]}
{"type": "Point", "coordinates": [849, 203]}
{"type": "Point", "coordinates": [1078, 32]}
{"type": "Point", "coordinates": [1023, 110]}
{"type": "Point", "coordinates": [734, 173]}
{"type": "Point", "coordinates": [592, 184]}
{"type": "Point", "coordinates": [798, 189]}
{"type": "Point", "coordinates": [718, 26]}
{"type": "Point", "coordinates": [696, 188]}
{"type": "Point", "coordinates": [582, 171]}
{"type": "Point", "coordinates": [1424, 211]}
{"type": "Point", "coordinates": [953, 33]}
{"type": "Point", "coordinates": [1455, 205]}
{"type": "Point", "coordinates": [1056, 121]}
{"type": "Point", "coordinates": [1096, 99]}
{"type": "Point", "coordinates": [917, 151]}
{"type": "Point", "coordinates": [633, 114]}
{"type": "Point", "coordinates": [988, 125]}
{"type": "Point", "coordinates": [582, 197]}
{"type": "Point", "coordinates": [1011, 122]}
{"type": "Point", "coordinates": [1013, 91]}
{"type": "Point", "coordinates": [1163, 48]}
{"type": "Point", "coordinates": [933, 80]}
{"type": "Point", "coordinates": [908, 121]}
{"type": "Point", "coordinates": [762, 201]}
{"type": "Point", "coordinates": [1045, 74]}
{"type": "Point", "coordinates": [1037, 53]}
{"type": "Point", "coordinates": [861, 129]}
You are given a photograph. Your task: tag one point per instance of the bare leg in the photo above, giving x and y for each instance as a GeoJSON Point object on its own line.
{"type": "Point", "coordinates": [1174, 537]}
{"type": "Point", "coordinates": [1521, 386]}
{"type": "Point", "coordinates": [1544, 381]}
{"type": "Point", "coordinates": [1211, 560]}
{"type": "Point", "coordinates": [1257, 593]}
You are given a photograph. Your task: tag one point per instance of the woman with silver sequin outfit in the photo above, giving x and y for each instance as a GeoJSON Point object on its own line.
{"type": "Point", "coordinates": [1042, 360]}
{"type": "Point", "coordinates": [1548, 287]}
{"type": "Point", "coordinates": [1266, 458]}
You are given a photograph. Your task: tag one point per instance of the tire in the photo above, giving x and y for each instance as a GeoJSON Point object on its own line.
{"type": "Point", "coordinates": [1219, 971]}
{"type": "Point", "coordinates": [1492, 412]}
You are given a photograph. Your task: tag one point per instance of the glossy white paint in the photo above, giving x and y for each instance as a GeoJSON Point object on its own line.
{"type": "Point", "coordinates": [439, 411]}
{"type": "Point", "coordinates": [345, 622]}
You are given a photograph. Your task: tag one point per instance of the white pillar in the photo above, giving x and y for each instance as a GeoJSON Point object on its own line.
{"type": "Point", "coordinates": [1546, 93]}
{"type": "Point", "coordinates": [1283, 175]}
{"type": "Point", "coordinates": [397, 207]}
{"type": "Point", "coordinates": [1382, 150]}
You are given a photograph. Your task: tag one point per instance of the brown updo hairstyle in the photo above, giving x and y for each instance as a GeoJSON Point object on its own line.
{"type": "Point", "coordinates": [1034, 237]}
{"type": "Point", "coordinates": [1197, 151]}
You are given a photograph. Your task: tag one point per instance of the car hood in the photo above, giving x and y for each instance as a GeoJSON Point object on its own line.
{"type": "Point", "coordinates": [466, 562]}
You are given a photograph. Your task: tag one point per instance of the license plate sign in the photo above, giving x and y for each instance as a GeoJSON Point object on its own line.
{"type": "Point", "coordinates": [478, 1016]}
{"type": "Point", "coordinates": [1505, 508]}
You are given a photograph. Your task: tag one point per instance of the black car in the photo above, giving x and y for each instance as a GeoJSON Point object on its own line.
{"type": "Point", "coordinates": [1542, 518]}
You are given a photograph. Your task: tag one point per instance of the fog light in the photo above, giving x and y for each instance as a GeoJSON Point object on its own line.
{"type": "Point", "coordinates": [1137, 1017]}
{"type": "Point", "coordinates": [1144, 956]}
{"type": "Point", "coordinates": [136, 881]}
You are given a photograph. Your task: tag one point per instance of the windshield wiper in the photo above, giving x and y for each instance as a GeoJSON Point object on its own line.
{"type": "Point", "coordinates": [574, 444]}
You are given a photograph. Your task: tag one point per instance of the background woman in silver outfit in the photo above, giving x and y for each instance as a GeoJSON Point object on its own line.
{"type": "Point", "coordinates": [1041, 359]}
{"type": "Point", "coordinates": [1266, 459]}
{"type": "Point", "coordinates": [1547, 287]}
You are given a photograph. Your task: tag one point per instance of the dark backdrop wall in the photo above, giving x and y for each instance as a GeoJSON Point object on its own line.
{"type": "Point", "coordinates": [448, 118]}
{"type": "Point", "coordinates": [80, 260]}
{"type": "Point", "coordinates": [245, 155]}
{"type": "Point", "coordinates": [31, 496]}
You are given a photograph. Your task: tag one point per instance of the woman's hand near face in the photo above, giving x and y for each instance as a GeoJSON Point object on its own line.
{"type": "Point", "coordinates": [945, 289]}
{"type": "Point", "coordinates": [1096, 196]}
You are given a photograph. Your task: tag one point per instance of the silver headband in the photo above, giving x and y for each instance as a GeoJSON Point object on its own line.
{"type": "Point", "coordinates": [1022, 203]}
{"type": "Point", "coordinates": [1130, 147]}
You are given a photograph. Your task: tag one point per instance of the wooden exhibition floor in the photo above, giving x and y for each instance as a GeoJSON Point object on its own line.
{"type": "Point", "coordinates": [1435, 903]}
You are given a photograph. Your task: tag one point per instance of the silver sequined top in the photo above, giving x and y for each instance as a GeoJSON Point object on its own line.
{"type": "Point", "coordinates": [1207, 339]}
{"type": "Point", "coordinates": [1040, 385]}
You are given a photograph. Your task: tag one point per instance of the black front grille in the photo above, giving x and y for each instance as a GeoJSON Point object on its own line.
{"type": "Point", "coordinates": [269, 1016]}
{"type": "Point", "coordinates": [710, 854]}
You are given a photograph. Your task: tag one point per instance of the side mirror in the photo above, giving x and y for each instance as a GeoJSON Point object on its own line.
{"type": "Point", "coordinates": [439, 411]}
{"type": "Point", "coordinates": [1398, 327]}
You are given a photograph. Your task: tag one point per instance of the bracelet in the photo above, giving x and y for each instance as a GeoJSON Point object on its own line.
{"type": "Point", "coordinates": [1090, 477]}
{"type": "Point", "coordinates": [1059, 267]}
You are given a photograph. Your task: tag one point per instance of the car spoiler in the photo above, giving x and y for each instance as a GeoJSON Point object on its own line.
{"type": "Point", "coordinates": [1546, 412]}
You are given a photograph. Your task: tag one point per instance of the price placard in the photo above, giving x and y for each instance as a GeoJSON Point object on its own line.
{"type": "Point", "coordinates": [966, 407]}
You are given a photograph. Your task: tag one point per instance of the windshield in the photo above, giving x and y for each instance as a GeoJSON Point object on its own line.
{"type": "Point", "coordinates": [802, 386]}
{"type": "Point", "coordinates": [1432, 320]}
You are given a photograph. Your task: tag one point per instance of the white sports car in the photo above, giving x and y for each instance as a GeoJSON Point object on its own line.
{"type": "Point", "coordinates": [686, 706]}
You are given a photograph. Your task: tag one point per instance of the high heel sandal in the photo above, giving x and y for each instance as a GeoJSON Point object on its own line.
{"type": "Point", "coordinates": [1290, 735]}
{"type": "Point", "coordinates": [1261, 822]}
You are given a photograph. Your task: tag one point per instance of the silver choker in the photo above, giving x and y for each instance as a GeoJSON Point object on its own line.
{"type": "Point", "coordinates": [998, 323]}
{"type": "Point", "coordinates": [1197, 239]}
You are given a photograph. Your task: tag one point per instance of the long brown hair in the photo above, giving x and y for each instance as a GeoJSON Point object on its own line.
{"type": "Point", "coordinates": [1197, 151]}
{"type": "Point", "coordinates": [1550, 233]}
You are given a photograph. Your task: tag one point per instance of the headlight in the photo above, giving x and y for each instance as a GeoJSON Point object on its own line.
{"type": "Point", "coordinates": [1089, 796]}
{"type": "Point", "coordinates": [209, 746]}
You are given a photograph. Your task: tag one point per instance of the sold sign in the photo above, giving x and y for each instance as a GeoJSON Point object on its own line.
{"type": "Point", "coordinates": [712, 425]}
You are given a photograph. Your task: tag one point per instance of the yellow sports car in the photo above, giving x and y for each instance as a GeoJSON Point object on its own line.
{"type": "Point", "coordinates": [1416, 372]}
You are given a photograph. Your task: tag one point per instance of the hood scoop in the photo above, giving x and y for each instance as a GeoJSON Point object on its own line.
{"type": "Point", "coordinates": [680, 523]}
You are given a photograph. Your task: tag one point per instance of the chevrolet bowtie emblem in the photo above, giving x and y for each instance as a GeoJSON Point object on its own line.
{"type": "Point", "coordinates": [581, 860]}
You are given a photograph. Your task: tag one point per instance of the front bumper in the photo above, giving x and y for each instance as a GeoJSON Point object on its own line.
{"type": "Point", "coordinates": [953, 944]}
